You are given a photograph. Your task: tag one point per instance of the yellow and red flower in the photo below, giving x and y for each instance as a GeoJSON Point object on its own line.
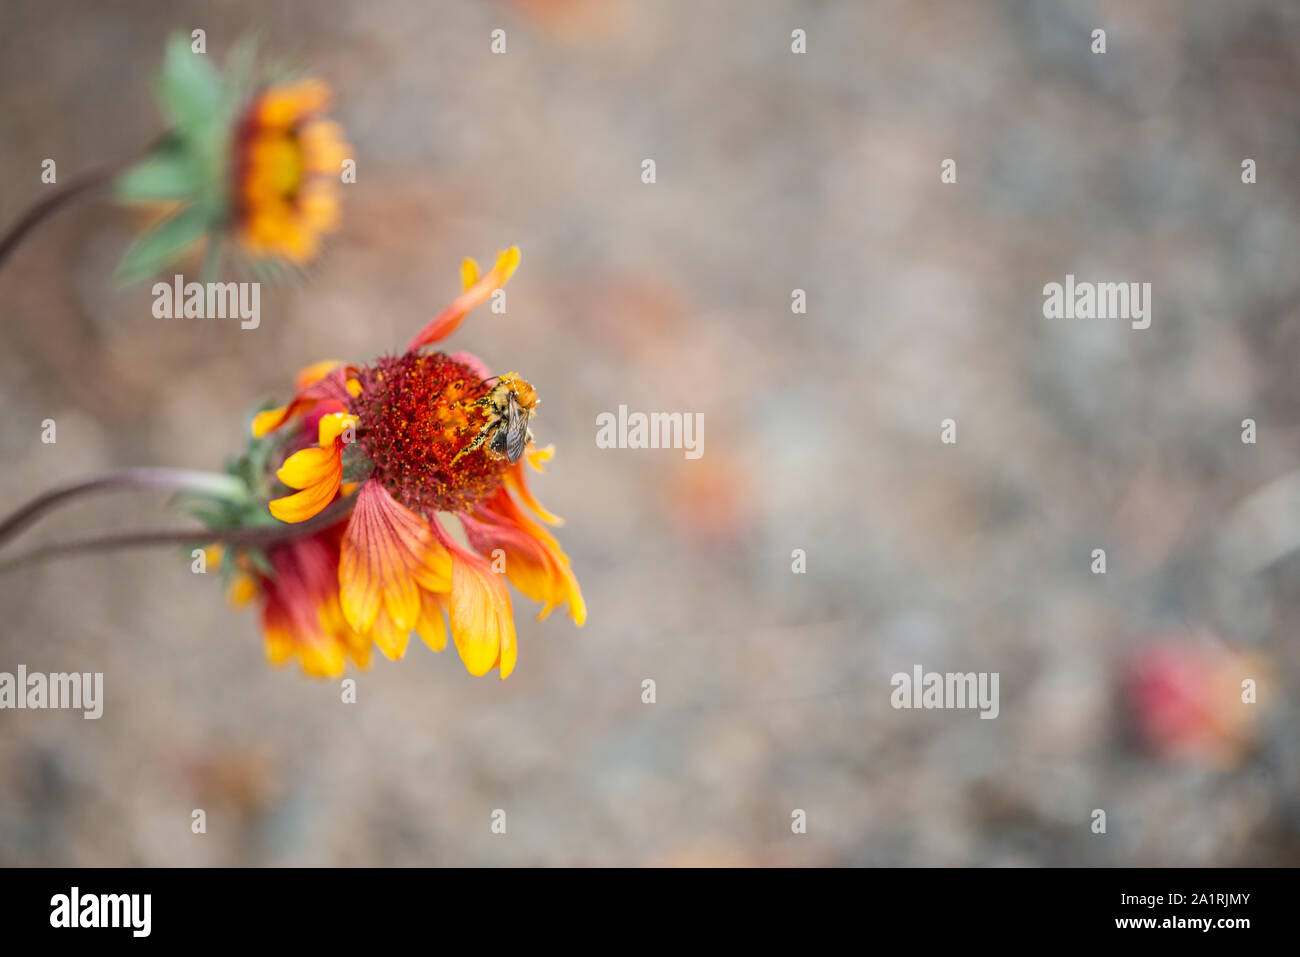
{"type": "Point", "coordinates": [405, 421]}
{"type": "Point", "coordinates": [301, 615]}
{"type": "Point", "coordinates": [287, 163]}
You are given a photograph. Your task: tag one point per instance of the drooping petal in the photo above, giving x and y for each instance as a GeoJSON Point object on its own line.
{"type": "Point", "coordinates": [534, 561]}
{"type": "Point", "coordinates": [431, 626]}
{"type": "Point", "coordinates": [478, 611]}
{"type": "Point", "coordinates": [525, 561]}
{"type": "Point", "coordinates": [515, 479]}
{"type": "Point", "coordinates": [476, 293]}
{"type": "Point", "coordinates": [391, 638]}
{"type": "Point", "coordinates": [300, 613]}
{"type": "Point", "coordinates": [388, 555]}
{"type": "Point", "coordinates": [242, 590]}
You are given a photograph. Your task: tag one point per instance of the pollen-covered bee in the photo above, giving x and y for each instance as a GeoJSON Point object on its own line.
{"type": "Point", "coordinates": [509, 404]}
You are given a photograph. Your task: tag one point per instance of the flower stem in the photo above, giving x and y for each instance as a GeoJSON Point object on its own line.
{"type": "Point", "coordinates": [52, 203]}
{"type": "Point", "coordinates": [261, 536]}
{"type": "Point", "coordinates": [45, 207]}
{"type": "Point", "coordinates": [215, 484]}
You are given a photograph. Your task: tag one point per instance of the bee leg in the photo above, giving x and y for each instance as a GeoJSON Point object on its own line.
{"type": "Point", "coordinates": [477, 442]}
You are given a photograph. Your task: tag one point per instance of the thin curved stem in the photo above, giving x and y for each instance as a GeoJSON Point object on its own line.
{"type": "Point", "coordinates": [261, 536]}
{"type": "Point", "coordinates": [211, 483]}
{"type": "Point", "coordinates": [49, 205]}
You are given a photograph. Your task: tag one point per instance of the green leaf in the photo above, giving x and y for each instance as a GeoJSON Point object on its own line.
{"type": "Point", "coordinates": [153, 250]}
{"type": "Point", "coordinates": [167, 173]}
{"type": "Point", "coordinates": [239, 73]}
{"type": "Point", "coordinates": [191, 88]}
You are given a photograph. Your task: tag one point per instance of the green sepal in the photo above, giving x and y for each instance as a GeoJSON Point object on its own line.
{"type": "Point", "coordinates": [167, 173]}
{"type": "Point", "coordinates": [356, 467]}
{"type": "Point", "coordinates": [160, 245]}
{"type": "Point", "coordinates": [190, 88]}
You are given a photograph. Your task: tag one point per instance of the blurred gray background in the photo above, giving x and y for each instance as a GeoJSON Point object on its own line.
{"type": "Point", "coordinates": [775, 171]}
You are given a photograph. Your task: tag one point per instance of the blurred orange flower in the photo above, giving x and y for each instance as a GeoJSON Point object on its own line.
{"type": "Point", "coordinates": [287, 163]}
{"type": "Point", "coordinates": [244, 162]}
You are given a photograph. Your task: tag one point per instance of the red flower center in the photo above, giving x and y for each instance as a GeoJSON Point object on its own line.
{"type": "Point", "coordinates": [416, 412]}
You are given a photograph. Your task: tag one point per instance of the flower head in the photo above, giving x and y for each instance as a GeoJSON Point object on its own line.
{"type": "Point", "coordinates": [287, 158]}
{"type": "Point", "coordinates": [256, 166]}
{"type": "Point", "coordinates": [394, 445]}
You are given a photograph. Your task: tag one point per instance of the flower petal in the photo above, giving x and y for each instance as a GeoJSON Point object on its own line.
{"type": "Point", "coordinates": [538, 458]}
{"type": "Point", "coordinates": [391, 638]}
{"type": "Point", "coordinates": [445, 323]}
{"type": "Point", "coordinates": [242, 590]}
{"type": "Point", "coordinates": [534, 561]}
{"type": "Point", "coordinates": [388, 555]}
{"type": "Point", "coordinates": [300, 613]}
{"type": "Point", "coordinates": [526, 563]}
{"type": "Point", "coordinates": [307, 467]}
{"type": "Point", "coordinates": [431, 626]}
{"type": "Point", "coordinates": [478, 610]}
{"type": "Point", "coordinates": [515, 479]}
{"type": "Point", "coordinates": [334, 384]}
{"type": "Point", "coordinates": [334, 425]}
{"type": "Point", "coordinates": [283, 106]}
{"type": "Point", "coordinates": [318, 472]}
{"type": "Point", "coordinates": [315, 372]}
{"type": "Point", "coordinates": [468, 274]}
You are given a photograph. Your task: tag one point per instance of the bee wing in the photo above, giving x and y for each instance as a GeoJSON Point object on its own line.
{"type": "Point", "coordinates": [516, 431]}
